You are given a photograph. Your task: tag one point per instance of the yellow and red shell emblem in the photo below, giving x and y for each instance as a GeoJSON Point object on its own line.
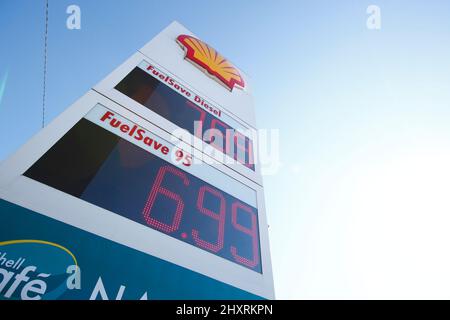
{"type": "Point", "coordinates": [211, 61]}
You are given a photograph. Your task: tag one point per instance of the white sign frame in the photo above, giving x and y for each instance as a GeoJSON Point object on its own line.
{"type": "Point", "coordinates": [23, 191]}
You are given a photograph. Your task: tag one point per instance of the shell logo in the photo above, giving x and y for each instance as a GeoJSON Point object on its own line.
{"type": "Point", "coordinates": [211, 61]}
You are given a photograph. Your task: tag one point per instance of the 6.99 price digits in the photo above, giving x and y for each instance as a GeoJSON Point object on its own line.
{"type": "Point", "coordinates": [225, 222]}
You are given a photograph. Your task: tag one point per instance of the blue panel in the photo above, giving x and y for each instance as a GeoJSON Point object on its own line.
{"type": "Point", "coordinates": [44, 265]}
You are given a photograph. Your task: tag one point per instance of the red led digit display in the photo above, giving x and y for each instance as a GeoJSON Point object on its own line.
{"type": "Point", "coordinates": [175, 107]}
{"type": "Point", "coordinates": [157, 189]}
{"type": "Point", "coordinates": [252, 232]}
{"type": "Point", "coordinates": [101, 168]}
{"type": "Point", "coordinates": [220, 217]}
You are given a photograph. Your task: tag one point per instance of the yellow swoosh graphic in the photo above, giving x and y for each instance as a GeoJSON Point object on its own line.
{"type": "Point", "coordinates": [5, 243]}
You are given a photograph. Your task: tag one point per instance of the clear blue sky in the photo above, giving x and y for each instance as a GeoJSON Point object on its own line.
{"type": "Point", "coordinates": [360, 207]}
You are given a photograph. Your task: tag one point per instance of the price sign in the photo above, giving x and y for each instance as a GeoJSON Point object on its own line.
{"type": "Point", "coordinates": [160, 93]}
{"type": "Point", "coordinates": [107, 188]}
{"type": "Point", "coordinates": [111, 162]}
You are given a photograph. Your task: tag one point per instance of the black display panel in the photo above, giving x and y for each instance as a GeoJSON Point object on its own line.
{"type": "Point", "coordinates": [173, 106]}
{"type": "Point", "coordinates": [101, 168]}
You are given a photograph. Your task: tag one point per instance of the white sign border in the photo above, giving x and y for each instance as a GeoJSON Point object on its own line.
{"type": "Point", "coordinates": [16, 188]}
